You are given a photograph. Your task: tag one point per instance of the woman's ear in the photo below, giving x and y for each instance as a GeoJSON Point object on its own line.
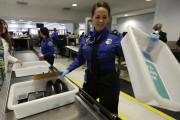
{"type": "Point", "coordinates": [91, 17]}
{"type": "Point", "coordinates": [109, 18]}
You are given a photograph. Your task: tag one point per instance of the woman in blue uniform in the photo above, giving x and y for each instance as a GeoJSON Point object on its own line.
{"type": "Point", "coordinates": [47, 46]}
{"type": "Point", "coordinates": [99, 48]}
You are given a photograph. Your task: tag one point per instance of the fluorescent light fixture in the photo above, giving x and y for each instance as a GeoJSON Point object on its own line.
{"type": "Point", "coordinates": [126, 15]}
{"type": "Point", "coordinates": [148, 0]}
{"type": "Point", "coordinates": [13, 21]}
{"type": "Point", "coordinates": [74, 4]}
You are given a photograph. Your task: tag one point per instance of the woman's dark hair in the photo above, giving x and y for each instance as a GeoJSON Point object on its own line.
{"type": "Point", "coordinates": [44, 31]}
{"type": "Point", "coordinates": [101, 4]}
{"type": "Point", "coordinates": [5, 35]}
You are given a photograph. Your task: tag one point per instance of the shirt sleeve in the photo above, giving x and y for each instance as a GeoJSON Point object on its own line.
{"type": "Point", "coordinates": [118, 45]}
{"type": "Point", "coordinates": [50, 49]}
{"type": "Point", "coordinates": [79, 60]}
{"type": "Point", "coordinates": [56, 36]}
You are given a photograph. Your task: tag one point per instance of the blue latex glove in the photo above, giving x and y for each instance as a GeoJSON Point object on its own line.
{"type": "Point", "coordinates": [63, 72]}
{"type": "Point", "coordinates": [154, 37]}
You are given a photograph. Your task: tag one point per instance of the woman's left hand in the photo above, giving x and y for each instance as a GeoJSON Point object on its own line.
{"type": "Point", "coordinates": [154, 37]}
{"type": "Point", "coordinates": [20, 62]}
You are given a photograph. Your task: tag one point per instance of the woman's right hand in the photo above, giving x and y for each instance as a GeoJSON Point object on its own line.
{"type": "Point", "coordinates": [41, 55]}
{"type": "Point", "coordinates": [63, 72]}
{"type": "Point", "coordinates": [19, 61]}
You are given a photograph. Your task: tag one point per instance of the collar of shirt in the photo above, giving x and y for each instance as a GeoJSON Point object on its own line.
{"type": "Point", "coordinates": [44, 39]}
{"type": "Point", "coordinates": [102, 32]}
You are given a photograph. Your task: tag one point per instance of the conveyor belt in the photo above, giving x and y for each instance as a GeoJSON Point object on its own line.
{"type": "Point", "coordinates": [127, 88]}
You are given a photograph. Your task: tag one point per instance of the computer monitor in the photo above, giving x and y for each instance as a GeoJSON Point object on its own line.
{"type": "Point", "coordinates": [39, 25]}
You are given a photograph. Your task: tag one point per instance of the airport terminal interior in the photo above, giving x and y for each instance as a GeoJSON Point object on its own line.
{"type": "Point", "coordinates": [148, 71]}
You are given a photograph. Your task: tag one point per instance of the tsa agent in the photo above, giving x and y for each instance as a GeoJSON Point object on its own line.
{"type": "Point", "coordinates": [55, 37]}
{"type": "Point", "coordinates": [99, 48]}
{"type": "Point", "coordinates": [47, 46]}
{"type": "Point", "coordinates": [5, 46]}
{"type": "Point", "coordinates": [59, 42]}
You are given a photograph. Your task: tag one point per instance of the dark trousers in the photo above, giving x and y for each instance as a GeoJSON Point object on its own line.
{"type": "Point", "coordinates": [105, 86]}
{"type": "Point", "coordinates": [49, 59]}
{"type": "Point", "coordinates": [61, 44]}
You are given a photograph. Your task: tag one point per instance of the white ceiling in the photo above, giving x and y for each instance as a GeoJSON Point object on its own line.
{"type": "Point", "coordinates": [117, 6]}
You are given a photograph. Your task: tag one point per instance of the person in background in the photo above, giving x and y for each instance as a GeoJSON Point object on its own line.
{"type": "Point", "coordinates": [177, 46]}
{"type": "Point", "coordinates": [47, 46]}
{"type": "Point", "coordinates": [54, 36]}
{"type": "Point", "coordinates": [162, 35]}
{"type": "Point", "coordinates": [5, 46]}
{"type": "Point", "coordinates": [99, 48]}
{"type": "Point", "coordinates": [82, 35]}
{"type": "Point", "coordinates": [124, 33]}
{"type": "Point", "coordinates": [59, 42]}
{"type": "Point", "coordinates": [40, 38]}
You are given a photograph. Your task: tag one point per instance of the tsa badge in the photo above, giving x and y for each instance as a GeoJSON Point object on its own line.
{"type": "Point", "coordinates": [108, 41]}
{"type": "Point", "coordinates": [50, 43]}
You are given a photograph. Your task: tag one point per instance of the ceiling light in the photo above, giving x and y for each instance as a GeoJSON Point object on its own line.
{"type": "Point", "coordinates": [126, 15]}
{"type": "Point", "coordinates": [148, 0]}
{"type": "Point", "coordinates": [13, 21]}
{"type": "Point", "coordinates": [74, 4]}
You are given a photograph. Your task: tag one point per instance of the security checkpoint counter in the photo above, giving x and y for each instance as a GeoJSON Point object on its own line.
{"type": "Point", "coordinates": [80, 109]}
{"type": "Point", "coordinates": [72, 49]}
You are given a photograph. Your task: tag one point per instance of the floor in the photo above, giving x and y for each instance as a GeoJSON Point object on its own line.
{"type": "Point", "coordinates": [128, 109]}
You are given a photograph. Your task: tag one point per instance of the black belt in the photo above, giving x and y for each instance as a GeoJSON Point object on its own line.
{"type": "Point", "coordinates": [103, 71]}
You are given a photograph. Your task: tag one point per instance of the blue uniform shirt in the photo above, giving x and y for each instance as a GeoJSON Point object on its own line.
{"type": "Point", "coordinates": [108, 47]}
{"type": "Point", "coordinates": [55, 36]}
{"type": "Point", "coordinates": [47, 47]}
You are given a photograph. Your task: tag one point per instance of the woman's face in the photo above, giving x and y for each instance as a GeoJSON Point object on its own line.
{"type": "Point", "coordinates": [3, 29]}
{"type": "Point", "coordinates": [100, 18]}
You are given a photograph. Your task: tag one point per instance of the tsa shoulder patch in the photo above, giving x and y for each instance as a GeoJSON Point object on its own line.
{"type": "Point", "coordinates": [50, 43]}
{"type": "Point", "coordinates": [115, 32]}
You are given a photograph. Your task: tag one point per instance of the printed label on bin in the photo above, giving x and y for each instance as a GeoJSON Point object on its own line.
{"type": "Point", "coordinates": [157, 80]}
{"type": "Point", "coordinates": [147, 56]}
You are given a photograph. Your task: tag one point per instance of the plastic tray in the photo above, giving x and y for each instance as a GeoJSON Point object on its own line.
{"type": "Point", "coordinates": [39, 105]}
{"type": "Point", "coordinates": [153, 70]}
{"type": "Point", "coordinates": [30, 68]}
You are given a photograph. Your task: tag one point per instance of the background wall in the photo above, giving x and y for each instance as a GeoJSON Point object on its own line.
{"type": "Point", "coordinates": [143, 22]}
{"type": "Point", "coordinates": [168, 13]}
